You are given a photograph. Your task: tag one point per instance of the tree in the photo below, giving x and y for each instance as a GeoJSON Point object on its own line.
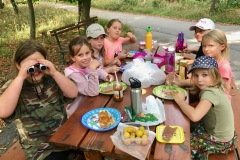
{"type": "Point", "coordinates": [32, 20]}
{"type": "Point", "coordinates": [213, 6]}
{"type": "Point", "coordinates": [1, 4]}
{"type": "Point", "coordinates": [15, 8]}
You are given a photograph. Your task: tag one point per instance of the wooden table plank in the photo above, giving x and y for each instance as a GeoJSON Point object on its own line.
{"type": "Point", "coordinates": [175, 117]}
{"type": "Point", "coordinates": [101, 141]}
{"type": "Point", "coordinates": [71, 134]}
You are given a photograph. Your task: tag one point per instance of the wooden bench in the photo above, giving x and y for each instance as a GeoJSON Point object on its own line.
{"type": "Point", "coordinates": [14, 153]}
{"type": "Point", "coordinates": [70, 27]}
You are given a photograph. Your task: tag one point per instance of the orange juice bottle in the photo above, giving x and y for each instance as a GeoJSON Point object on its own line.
{"type": "Point", "coordinates": [117, 92]}
{"type": "Point", "coordinates": [148, 39]}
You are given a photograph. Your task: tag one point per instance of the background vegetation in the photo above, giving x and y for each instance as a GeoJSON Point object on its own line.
{"type": "Point", "coordinates": [226, 11]}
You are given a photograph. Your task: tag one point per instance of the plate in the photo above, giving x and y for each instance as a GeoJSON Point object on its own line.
{"type": "Point", "coordinates": [131, 53]}
{"type": "Point", "coordinates": [178, 136]}
{"type": "Point", "coordinates": [164, 91]}
{"type": "Point", "coordinates": [91, 118]}
{"type": "Point", "coordinates": [106, 84]}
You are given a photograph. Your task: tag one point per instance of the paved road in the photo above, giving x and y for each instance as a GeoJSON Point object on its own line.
{"type": "Point", "coordinates": [165, 30]}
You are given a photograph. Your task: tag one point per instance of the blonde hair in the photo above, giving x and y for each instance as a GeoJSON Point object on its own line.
{"type": "Point", "coordinates": [219, 37]}
{"type": "Point", "coordinates": [217, 81]}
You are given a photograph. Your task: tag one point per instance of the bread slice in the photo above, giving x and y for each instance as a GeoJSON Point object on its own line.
{"type": "Point", "coordinates": [104, 120]}
{"type": "Point", "coordinates": [168, 133]}
{"type": "Point", "coordinates": [107, 89]}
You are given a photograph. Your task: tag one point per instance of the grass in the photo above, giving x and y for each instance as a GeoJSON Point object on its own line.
{"type": "Point", "coordinates": [185, 9]}
{"type": "Point", "coordinates": [15, 29]}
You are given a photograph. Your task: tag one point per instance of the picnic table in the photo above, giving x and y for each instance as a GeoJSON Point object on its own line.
{"type": "Point", "coordinates": [96, 145]}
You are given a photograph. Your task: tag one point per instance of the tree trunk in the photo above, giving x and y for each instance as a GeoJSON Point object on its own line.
{"type": "Point", "coordinates": [1, 4]}
{"type": "Point", "coordinates": [213, 6]}
{"type": "Point", "coordinates": [84, 9]}
{"type": "Point", "coordinates": [15, 8]}
{"type": "Point", "coordinates": [32, 20]}
{"type": "Point", "coordinates": [80, 8]}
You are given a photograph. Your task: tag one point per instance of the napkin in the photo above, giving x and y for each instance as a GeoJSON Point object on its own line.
{"type": "Point", "coordinates": [138, 151]}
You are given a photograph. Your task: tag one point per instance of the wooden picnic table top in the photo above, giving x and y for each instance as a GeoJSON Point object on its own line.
{"type": "Point", "coordinates": [95, 145]}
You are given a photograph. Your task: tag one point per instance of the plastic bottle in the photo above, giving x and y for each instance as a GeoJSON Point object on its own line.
{"type": "Point", "coordinates": [136, 95]}
{"type": "Point", "coordinates": [180, 41]}
{"type": "Point", "coordinates": [170, 60]}
{"type": "Point", "coordinates": [148, 39]}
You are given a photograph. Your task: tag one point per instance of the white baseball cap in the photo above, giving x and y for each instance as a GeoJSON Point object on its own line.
{"type": "Point", "coordinates": [203, 24]}
{"type": "Point", "coordinates": [95, 30]}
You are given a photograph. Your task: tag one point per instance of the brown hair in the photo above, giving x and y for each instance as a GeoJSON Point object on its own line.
{"type": "Point", "coordinates": [110, 23]}
{"type": "Point", "coordinates": [26, 49]}
{"type": "Point", "coordinates": [219, 37]}
{"type": "Point", "coordinates": [101, 52]}
{"type": "Point", "coordinates": [217, 81]}
{"type": "Point", "coordinates": [78, 41]}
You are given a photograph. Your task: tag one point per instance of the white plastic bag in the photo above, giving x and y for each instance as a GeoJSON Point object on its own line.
{"type": "Point", "coordinates": [155, 107]}
{"type": "Point", "coordinates": [148, 73]}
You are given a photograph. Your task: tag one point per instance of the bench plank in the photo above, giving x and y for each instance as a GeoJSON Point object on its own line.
{"type": "Point", "coordinates": [14, 153]}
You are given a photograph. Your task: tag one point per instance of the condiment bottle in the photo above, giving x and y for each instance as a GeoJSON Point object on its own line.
{"type": "Point", "coordinates": [148, 39]}
{"type": "Point", "coordinates": [136, 95]}
{"type": "Point", "coordinates": [170, 60]}
{"type": "Point", "coordinates": [117, 92]}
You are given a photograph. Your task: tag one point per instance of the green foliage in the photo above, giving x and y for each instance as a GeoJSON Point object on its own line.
{"type": "Point", "coordinates": [184, 9]}
{"type": "Point", "coordinates": [224, 4]}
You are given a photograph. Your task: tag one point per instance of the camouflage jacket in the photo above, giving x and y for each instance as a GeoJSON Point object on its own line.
{"type": "Point", "coordinates": [38, 117]}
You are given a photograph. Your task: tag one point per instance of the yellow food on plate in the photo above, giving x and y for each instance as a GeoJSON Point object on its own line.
{"type": "Point", "coordinates": [105, 119]}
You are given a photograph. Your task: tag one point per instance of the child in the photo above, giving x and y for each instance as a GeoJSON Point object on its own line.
{"type": "Point", "coordinates": [215, 131]}
{"type": "Point", "coordinates": [214, 44]}
{"type": "Point", "coordinates": [36, 100]}
{"type": "Point", "coordinates": [95, 36]}
{"type": "Point", "coordinates": [84, 72]}
{"type": "Point", "coordinates": [113, 42]}
{"type": "Point", "coordinates": [200, 28]}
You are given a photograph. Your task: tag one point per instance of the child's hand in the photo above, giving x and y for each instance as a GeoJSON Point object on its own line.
{"type": "Point", "coordinates": [187, 56]}
{"type": "Point", "coordinates": [122, 56]}
{"type": "Point", "coordinates": [114, 69]}
{"type": "Point", "coordinates": [116, 62]}
{"type": "Point", "coordinates": [179, 96]}
{"type": "Point", "coordinates": [133, 38]}
{"type": "Point", "coordinates": [186, 50]}
{"type": "Point", "coordinates": [23, 69]}
{"type": "Point", "coordinates": [51, 70]}
{"type": "Point", "coordinates": [94, 64]}
{"type": "Point", "coordinates": [109, 78]}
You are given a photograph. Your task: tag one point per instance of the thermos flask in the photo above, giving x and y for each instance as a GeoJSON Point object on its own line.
{"type": "Point", "coordinates": [136, 95]}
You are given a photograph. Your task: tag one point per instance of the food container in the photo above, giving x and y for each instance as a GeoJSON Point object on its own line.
{"type": "Point", "coordinates": [135, 141]}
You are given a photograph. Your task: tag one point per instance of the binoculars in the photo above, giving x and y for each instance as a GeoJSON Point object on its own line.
{"type": "Point", "coordinates": [31, 69]}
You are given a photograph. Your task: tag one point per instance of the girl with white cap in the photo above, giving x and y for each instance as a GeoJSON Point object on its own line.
{"type": "Point", "coordinates": [95, 35]}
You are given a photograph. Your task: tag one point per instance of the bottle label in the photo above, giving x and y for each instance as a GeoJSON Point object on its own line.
{"type": "Point", "coordinates": [118, 94]}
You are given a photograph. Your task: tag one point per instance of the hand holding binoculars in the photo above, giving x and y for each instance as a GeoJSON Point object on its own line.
{"type": "Point", "coordinates": [31, 69]}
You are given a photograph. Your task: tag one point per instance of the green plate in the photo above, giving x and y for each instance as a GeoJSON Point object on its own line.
{"type": "Point", "coordinates": [176, 67]}
{"type": "Point", "coordinates": [164, 91]}
{"type": "Point", "coordinates": [106, 84]}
